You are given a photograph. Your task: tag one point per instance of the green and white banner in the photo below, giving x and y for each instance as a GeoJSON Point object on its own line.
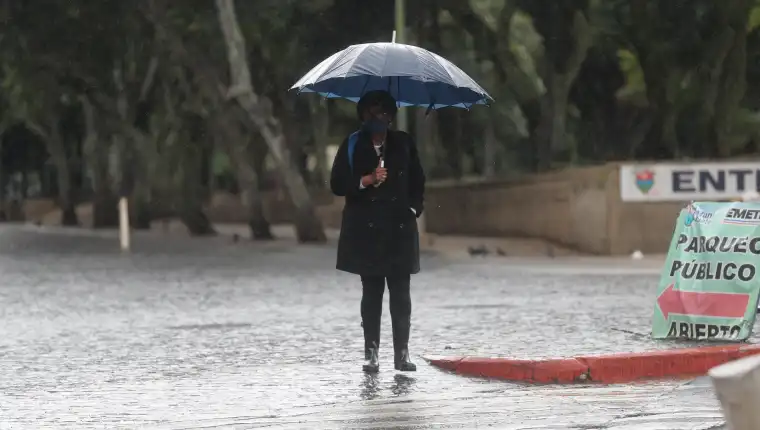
{"type": "Point", "coordinates": [709, 286]}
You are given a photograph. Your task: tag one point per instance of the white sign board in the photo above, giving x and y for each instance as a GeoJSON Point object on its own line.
{"type": "Point", "coordinates": [686, 182]}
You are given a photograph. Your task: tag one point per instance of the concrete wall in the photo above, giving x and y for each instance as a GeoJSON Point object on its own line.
{"type": "Point", "coordinates": [644, 226]}
{"type": "Point", "coordinates": [579, 208]}
{"type": "Point", "coordinates": [567, 209]}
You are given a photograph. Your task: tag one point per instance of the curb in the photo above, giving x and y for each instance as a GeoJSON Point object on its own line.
{"type": "Point", "coordinates": [606, 369]}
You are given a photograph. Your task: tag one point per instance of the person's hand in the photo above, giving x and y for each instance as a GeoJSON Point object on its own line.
{"type": "Point", "coordinates": [375, 178]}
{"type": "Point", "coordinates": [381, 174]}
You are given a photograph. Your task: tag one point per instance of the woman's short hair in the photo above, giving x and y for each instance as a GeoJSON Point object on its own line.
{"type": "Point", "coordinates": [377, 97]}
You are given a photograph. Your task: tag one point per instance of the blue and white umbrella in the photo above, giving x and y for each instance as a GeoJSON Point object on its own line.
{"type": "Point", "coordinates": [412, 75]}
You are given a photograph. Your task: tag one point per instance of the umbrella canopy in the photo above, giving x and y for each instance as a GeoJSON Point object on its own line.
{"type": "Point", "coordinates": [412, 75]}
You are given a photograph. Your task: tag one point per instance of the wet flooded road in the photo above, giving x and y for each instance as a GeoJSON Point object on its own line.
{"type": "Point", "coordinates": [187, 334]}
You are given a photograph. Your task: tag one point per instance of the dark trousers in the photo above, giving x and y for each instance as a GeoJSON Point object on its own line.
{"type": "Point", "coordinates": [373, 288]}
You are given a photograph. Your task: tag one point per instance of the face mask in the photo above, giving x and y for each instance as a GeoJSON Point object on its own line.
{"type": "Point", "coordinates": [375, 125]}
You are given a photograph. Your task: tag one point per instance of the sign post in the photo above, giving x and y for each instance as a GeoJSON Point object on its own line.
{"type": "Point", "coordinates": [400, 37]}
{"type": "Point", "coordinates": [709, 285]}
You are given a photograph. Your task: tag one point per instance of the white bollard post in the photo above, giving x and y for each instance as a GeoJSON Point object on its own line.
{"type": "Point", "coordinates": [737, 386]}
{"type": "Point", "coordinates": [124, 224]}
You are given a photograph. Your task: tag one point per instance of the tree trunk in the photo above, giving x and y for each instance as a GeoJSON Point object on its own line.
{"type": "Point", "coordinates": [140, 207]}
{"type": "Point", "coordinates": [230, 140]}
{"type": "Point", "coordinates": [450, 133]}
{"type": "Point", "coordinates": [57, 150]}
{"type": "Point", "coordinates": [104, 202]}
{"type": "Point", "coordinates": [490, 151]}
{"type": "Point", "coordinates": [195, 220]}
{"type": "Point", "coordinates": [24, 184]}
{"type": "Point", "coordinates": [542, 144]}
{"type": "Point", "coordinates": [105, 213]}
{"type": "Point", "coordinates": [734, 82]}
{"type": "Point", "coordinates": [257, 222]}
{"type": "Point", "coordinates": [661, 140]}
{"type": "Point", "coordinates": [257, 153]}
{"type": "Point", "coordinates": [320, 121]}
{"type": "Point", "coordinates": [143, 207]}
{"type": "Point", "coordinates": [308, 227]}
{"type": "Point", "coordinates": [551, 130]}
{"type": "Point", "coordinates": [191, 197]}
{"type": "Point", "coordinates": [709, 73]}
{"type": "Point", "coordinates": [140, 213]}
{"type": "Point", "coordinates": [433, 154]}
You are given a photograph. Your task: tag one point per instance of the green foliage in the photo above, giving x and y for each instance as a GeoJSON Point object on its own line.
{"type": "Point", "coordinates": [650, 61]}
{"type": "Point", "coordinates": [220, 164]}
{"type": "Point", "coordinates": [754, 19]}
{"type": "Point", "coordinates": [635, 86]}
{"type": "Point", "coordinates": [554, 19]}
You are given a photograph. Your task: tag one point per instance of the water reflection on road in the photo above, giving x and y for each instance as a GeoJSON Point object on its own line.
{"type": "Point", "coordinates": [206, 334]}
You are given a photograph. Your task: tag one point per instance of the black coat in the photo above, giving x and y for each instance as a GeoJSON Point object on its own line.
{"type": "Point", "coordinates": [378, 234]}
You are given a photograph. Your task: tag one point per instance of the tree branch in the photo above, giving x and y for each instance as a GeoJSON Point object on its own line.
{"type": "Point", "coordinates": [37, 129]}
{"type": "Point", "coordinates": [583, 39]}
{"type": "Point", "coordinates": [484, 38]}
{"type": "Point", "coordinates": [148, 81]}
{"type": "Point", "coordinates": [505, 27]}
{"type": "Point", "coordinates": [240, 75]}
{"type": "Point", "coordinates": [122, 104]}
{"type": "Point", "coordinates": [494, 47]}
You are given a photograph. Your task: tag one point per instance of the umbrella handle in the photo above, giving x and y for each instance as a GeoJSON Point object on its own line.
{"type": "Point", "coordinates": [382, 164]}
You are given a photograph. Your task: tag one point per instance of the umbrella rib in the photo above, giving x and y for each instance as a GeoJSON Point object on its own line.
{"type": "Point", "coordinates": [385, 62]}
{"type": "Point", "coordinates": [345, 54]}
{"type": "Point", "coordinates": [354, 60]}
{"type": "Point", "coordinates": [443, 66]}
{"type": "Point", "coordinates": [382, 74]}
{"type": "Point", "coordinates": [321, 68]}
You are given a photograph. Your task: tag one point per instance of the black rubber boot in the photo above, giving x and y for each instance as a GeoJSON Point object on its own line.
{"type": "Point", "coordinates": [403, 362]}
{"type": "Point", "coordinates": [401, 359]}
{"type": "Point", "coordinates": [371, 360]}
